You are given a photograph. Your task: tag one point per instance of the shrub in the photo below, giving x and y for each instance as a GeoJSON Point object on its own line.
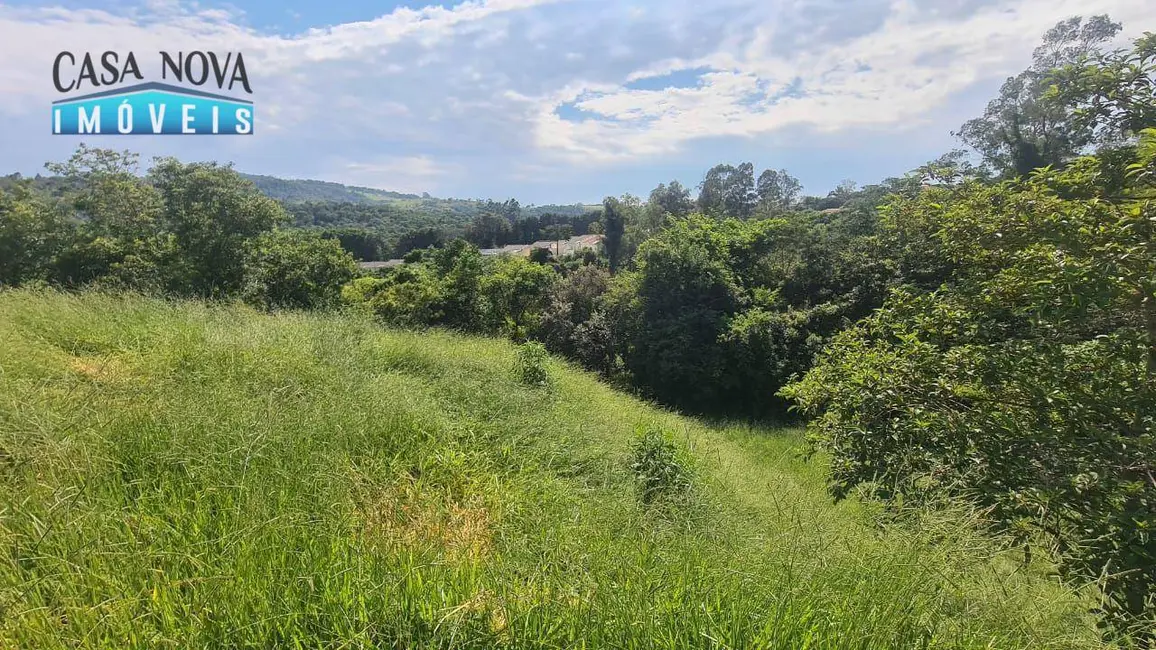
{"type": "Point", "coordinates": [530, 364]}
{"type": "Point", "coordinates": [661, 469]}
{"type": "Point", "coordinates": [295, 269]}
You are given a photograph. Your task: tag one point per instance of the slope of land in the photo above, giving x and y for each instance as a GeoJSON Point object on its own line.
{"type": "Point", "coordinates": [181, 475]}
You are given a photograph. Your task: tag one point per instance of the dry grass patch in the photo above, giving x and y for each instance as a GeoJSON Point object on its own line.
{"type": "Point", "coordinates": [100, 369]}
{"type": "Point", "coordinates": [412, 516]}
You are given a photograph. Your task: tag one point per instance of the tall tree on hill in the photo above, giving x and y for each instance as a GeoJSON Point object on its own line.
{"type": "Point", "coordinates": [211, 212]}
{"type": "Point", "coordinates": [713, 188]}
{"type": "Point", "coordinates": [777, 191]}
{"type": "Point", "coordinates": [614, 227]}
{"type": "Point", "coordinates": [728, 191]}
{"type": "Point", "coordinates": [740, 196]}
{"type": "Point", "coordinates": [673, 200]}
{"type": "Point", "coordinates": [1020, 131]}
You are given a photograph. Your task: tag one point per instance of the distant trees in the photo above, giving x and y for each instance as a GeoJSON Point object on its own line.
{"type": "Point", "coordinates": [363, 244]}
{"type": "Point", "coordinates": [728, 191]}
{"type": "Point", "coordinates": [195, 229]}
{"type": "Point", "coordinates": [419, 239]}
{"type": "Point", "coordinates": [489, 230]}
{"type": "Point", "coordinates": [614, 229]}
{"type": "Point", "coordinates": [668, 201]}
{"type": "Point", "coordinates": [777, 191]}
{"type": "Point", "coordinates": [456, 287]}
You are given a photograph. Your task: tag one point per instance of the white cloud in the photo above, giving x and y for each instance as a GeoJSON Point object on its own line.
{"type": "Point", "coordinates": [502, 89]}
{"type": "Point", "coordinates": [411, 174]}
{"type": "Point", "coordinates": [888, 76]}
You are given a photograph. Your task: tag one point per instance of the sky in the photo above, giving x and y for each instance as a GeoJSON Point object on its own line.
{"type": "Point", "coordinates": [553, 101]}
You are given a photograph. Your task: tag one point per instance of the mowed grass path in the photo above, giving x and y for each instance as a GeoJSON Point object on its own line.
{"type": "Point", "coordinates": [191, 476]}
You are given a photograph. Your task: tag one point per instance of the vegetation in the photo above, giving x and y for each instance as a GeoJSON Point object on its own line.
{"type": "Point", "coordinates": [973, 342]}
{"type": "Point", "coordinates": [1026, 381]}
{"type": "Point", "coordinates": [196, 475]}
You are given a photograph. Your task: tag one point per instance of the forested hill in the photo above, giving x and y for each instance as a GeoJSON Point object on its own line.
{"type": "Point", "coordinates": [301, 190]}
{"type": "Point", "coordinates": [291, 189]}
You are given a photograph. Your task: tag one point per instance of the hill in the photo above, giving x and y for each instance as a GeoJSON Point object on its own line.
{"type": "Point", "coordinates": [178, 474]}
{"type": "Point", "coordinates": [284, 189]}
{"type": "Point", "coordinates": [300, 190]}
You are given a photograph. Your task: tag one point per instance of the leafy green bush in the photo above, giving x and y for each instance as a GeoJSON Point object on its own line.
{"type": "Point", "coordinates": [661, 469]}
{"type": "Point", "coordinates": [296, 269]}
{"type": "Point", "coordinates": [530, 364]}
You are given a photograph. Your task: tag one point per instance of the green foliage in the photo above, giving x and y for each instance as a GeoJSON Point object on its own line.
{"type": "Point", "coordinates": [530, 364]}
{"type": "Point", "coordinates": [614, 229]}
{"type": "Point", "coordinates": [32, 234]}
{"type": "Point", "coordinates": [728, 191]}
{"type": "Point", "coordinates": [489, 231]}
{"type": "Point", "coordinates": [1024, 383]}
{"type": "Point", "coordinates": [668, 315]}
{"type": "Point", "coordinates": [1022, 130]}
{"type": "Point", "coordinates": [777, 191]}
{"type": "Point", "coordinates": [1110, 94]}
{"type": "Point", "coordinates": [514, 291]}
{"type": "Point", "coordinates": [662, 470]}
{"type": "Point", "coordinates": [212, 213]}
{"type": "Point", "coordinates": [571, 324]}
{"type": "Point", "coordinates": [292, 269]}
{"type": "Point", "coordinates": [364, 245]}
{"type": "Point", "coordinates": [719, 315]}
{"type": "Point", "coordinates": [456, 287]}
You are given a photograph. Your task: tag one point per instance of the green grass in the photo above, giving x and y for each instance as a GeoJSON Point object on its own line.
{"type": "Point", "coordinates": [182, 475]}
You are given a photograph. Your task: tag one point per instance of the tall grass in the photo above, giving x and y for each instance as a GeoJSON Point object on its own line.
{"type": "Point", "coordinates": [182, 475]}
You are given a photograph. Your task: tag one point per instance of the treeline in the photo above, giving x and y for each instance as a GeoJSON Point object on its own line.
{"type": "Point", "coordinates": [189, 230]}
{"type": "Point", "coordinates": [390, 229]}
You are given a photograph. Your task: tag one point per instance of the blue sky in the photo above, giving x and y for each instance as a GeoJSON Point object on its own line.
{"type": "Point", "coordinates": [555, 100]}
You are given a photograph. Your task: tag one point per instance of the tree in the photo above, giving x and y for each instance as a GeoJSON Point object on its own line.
{"type": "Point", "coordinates": [728, 191]}
{"type": "Point", "coordinates": [32, 235]}
{"type": "Point", "coordinates": [740, 198]}
{"type": "Point", "coordinates": [614, 227]}
{"type": "Point", "coordinates": [668, 201]}
{"type": "Point", "coordinates": [364, 245]}
{"type": "Point", "coordinates": [109, 195]}
{"type": "Point", "coordinates": [1025, 380]}
{"type": "Point", "coordinates": [459, 268]}
{"type": "Point", "coordinates": [668, 317]}
{"type": "Point", "coordinates": [777, 191]}
{"type": "Point", "coordinates": [211, 211]}
{"type": "Point", "coordinates": [1020, 131]}
{"type": "Point", "coordinates": [1111, 95]}
{"type": "Point", "coordinates": [565, 324]}
{"type": "Point", "coordinates": [419, 239]}
{"type": "Point", "coordinates": [489, 230]}
{"type": "Point", "coordinates": [514, 291]}
{"type": "Point", "coordinates": [294, 269]}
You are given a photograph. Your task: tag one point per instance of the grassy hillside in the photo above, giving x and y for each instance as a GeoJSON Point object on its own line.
{"type": "Point", "coordinates": [178, 475]}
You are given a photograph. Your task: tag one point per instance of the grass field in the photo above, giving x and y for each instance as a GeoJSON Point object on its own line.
{"type": "Point", "coordinates": [188, 476]}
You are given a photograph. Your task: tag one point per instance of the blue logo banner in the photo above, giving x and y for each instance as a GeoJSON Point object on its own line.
{"type": "Point", "coordinates": [152, 109]}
